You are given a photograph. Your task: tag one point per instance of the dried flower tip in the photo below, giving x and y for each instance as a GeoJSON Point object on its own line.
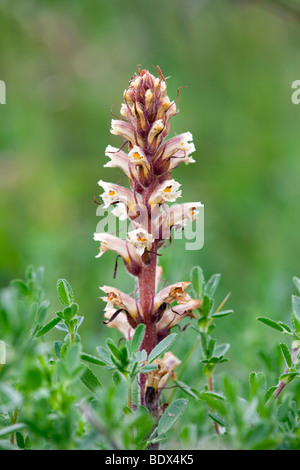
{"type": "Point", "coordinates": [155, 376]}
{"type": "Point", "coordinates": [165, 369]}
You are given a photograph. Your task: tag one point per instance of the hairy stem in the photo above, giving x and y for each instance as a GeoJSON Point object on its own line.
{"type": "Point", "coordinates": [283, 384]}
{"type": "Point", "coordinates": [147, 280]}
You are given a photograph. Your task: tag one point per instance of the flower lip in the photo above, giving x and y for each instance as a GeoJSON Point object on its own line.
{"type": "Point", "coordinates": [167, 191]}
{"type": "Point", "coordinates": [138, 157]}
{"type": "Point", "coordinates": [141, 240]}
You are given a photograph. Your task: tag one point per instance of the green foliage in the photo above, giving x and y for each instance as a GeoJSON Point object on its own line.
{"type": "Point", "coordinates": [52, 396]}
{"type": "Point", "coordinates": [41, 409]}
{"type": "Point", "coordinates": [213, 354]}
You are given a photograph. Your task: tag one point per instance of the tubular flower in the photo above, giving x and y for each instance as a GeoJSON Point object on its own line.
{"type": "Point", "coordinates": [113, 193]}
{"type": "Point", "coordinates": [165, 369]}
{"type": "Point", "coordinates": [172, 316]}
{"type": "Point", "coordinates": [119, 300]}
{"type": "Point", "coordinates": [173, 293]}
{"type": "Point", "coordinates": [141, 240]}
{"type": "Point", "coordinates": [139, 161]}
{"type": "Point", "coordinates": [109, 242]}
{"type": "Point", "coordinates": [177, 215]}
{"type": "Point", "coordinates": [147, 158]}
{"type": "Point", "coordinates": [166, 191]}
{"type": "Point", "coordinates": [120, 322]}
{"type": "Point", "coordinates": [118, 159]}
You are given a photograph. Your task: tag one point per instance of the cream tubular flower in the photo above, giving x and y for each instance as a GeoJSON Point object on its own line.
{"type": "Point", "coordinates": [155, 130]}
{"type": "Point", "coordinates": [117, 299]}
{"type": "Point", "coordinates": [167, 191]}
{"type": "Point", "coordinates": [113, 193]}
{"type": "Point", "coordinates": [138, 158]}
{"type": "Point", "coordinates": [172, 293]}
{"type": "Point", "coordinates": [179, 147]}
{"type": "Point", "coordinates": [120, 211]}
{"type": "Point", "coordinates": [179, 214]}
{"type": "Point", "coordinates": [173, 315]}
{"type": "Point", "coordinates": [125, 130]}
{"type": "Point", "coordinates": [133, 261]}
{"type": "Point", "coordinates": [141, 240]}
{"type": "Point", "coordinates": [118, 159]}
{"type": "Point", "coordinates": [120, 322]}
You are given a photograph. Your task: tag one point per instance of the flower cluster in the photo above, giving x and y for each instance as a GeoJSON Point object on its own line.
{"type": "Point", "coordinates": [148, 164]}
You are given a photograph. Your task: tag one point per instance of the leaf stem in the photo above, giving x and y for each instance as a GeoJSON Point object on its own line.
{"type": "Point", "coordinates": [211, 389]}
{"type": "Point", "coordinates": [282, 384]}
{"type": "Point", "coordinates": [14, 420]}
{"type": "Point", "coordinates": [183, 367]}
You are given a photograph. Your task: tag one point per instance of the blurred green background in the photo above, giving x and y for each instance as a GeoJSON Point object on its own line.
{"type": "Point", "coordinates": [65, 63]}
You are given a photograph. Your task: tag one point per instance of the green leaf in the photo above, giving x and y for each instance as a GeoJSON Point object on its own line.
{"type": "Point", "coordinates": [114, 349]}
{"type": "Point", "coordinates": [269, 393]}
{"type": "Point", "coordinates": [286, 354]}
{"type": "Point", "coordinates": [296, 306]}
{"type": "Point", "coordinates": [51, 324]}
{"type": "Point", "coordinates": [287, 378]}
{"type": "Point", "coordinates": [270, 323]}
{"type": "Point", "coordinates": [10, 429]}
{"type": "Point", "coordinates": [137, 338]}
{"type": "Point", "coordinates": [104, 355]}
{"type": "Point", "coordinates": [92, 359]}
{"type": "Point", "coordinates": [197, 280]}
{"type": "Point", "coordinates": [118, 377]}
{"type": "Point", "coordinates": [62, 327]}
{"type": "Point", "coordinates": [222, 313]}
{"type": "Point", "coordinates": [221, 349]}
{"type": "Point", "coordinates": [171, 415]}
{"type": "Point", "coordinates": [57, 348]}
{"type": "Point", "coordinates": [21, 286]}
{"type": "Point", "coordinates": [296, 281]}
{"type": "Point", "coordinates": [296, 323]}
{"type": "Point", "coordinates": [141, 356]}
{"type": "Point", "coordinates": [20, 440]}
{"type": "Point", "coordinates": [2, 352]}
{"type": "Point", "coordinates": [64, 292]}
{"type": "Point", "coordinates": [188, 390]}
{"type": "Point", "coordinates": [204, 343]}
{"type": "Point", "coordinates": [165, 344]}
{"type": "Point", "coordinates": [206, 305]}
{"type": "Point", "coordinates": [148, 368]}
{"type": "Point", "coordinates": [90, 380]}
{"type": "Point", "coordinates": [285, 327]}
{"type": "Point", "coordinates": [212, 285]}
{"type": "Point", "coordinates": [218, 420]}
